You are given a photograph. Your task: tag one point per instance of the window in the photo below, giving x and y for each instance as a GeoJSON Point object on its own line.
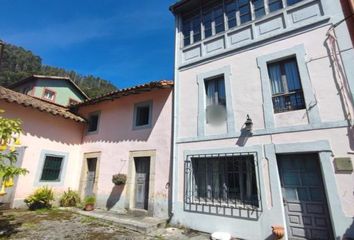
{"type": "Point", "coordinates": [275, 5]}
{"type": "Point", "coordinates": [219, 19]}
{"type": "Point", "coordinates": [215, 100]}
{"type": "Point", "coordinates": [286, 86]}
{"type": "Point", "coordinates": [207, 23]}
{"type": "Point", "coordinates": [292, 2]}
{"type": "Point", "coordinates": [258, 6]}
{"type": "Point", "coordinates": [49, 95]}
{"type": "Point", "coordinates": [186, 32]}
{"type": "Point", "coordinates": [192, 27]}
{"type": "Point", "coordinates": [52, 168]}
{"type": "Point", "coordinates": [142, 115]}
{"type": "Point", "coordinates": [224, 180]}
{"type": "Point", "coordinates": [93, 122]}
{"type": "Point", "coordinates": [212, 16]}
{"type": "Point", "coordinates": [73, 101]}
{"type": "Point", "coordinates": [26, 90]}
{"type": "Point", "coordinates": [231, 7]}
{"type": "Point", "coordinates": [245, 11]}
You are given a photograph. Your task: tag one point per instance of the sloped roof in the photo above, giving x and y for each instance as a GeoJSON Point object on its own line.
{"type": "Point", "coordinates": [34, 77]}
{"type": "Point", "coordinates": [36, 103]}
{"type": "Point", "coordinates": [147, 87]}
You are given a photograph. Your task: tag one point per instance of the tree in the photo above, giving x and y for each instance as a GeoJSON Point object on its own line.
{"type": "Point", "coordinates": [10, 130]}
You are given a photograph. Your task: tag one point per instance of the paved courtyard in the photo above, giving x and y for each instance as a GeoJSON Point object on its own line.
{"type": "Point", "coordinates": [59, 224]}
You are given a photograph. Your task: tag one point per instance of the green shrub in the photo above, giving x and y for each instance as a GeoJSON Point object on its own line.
{"type": "Point", "coordinates": [70, 199]}
{"type": "Point", "coordinates": [90, 200]}
{"type": "Point", "coordinates": [41, 198]}
{"type": "Point", "coordinates": [119, 179]}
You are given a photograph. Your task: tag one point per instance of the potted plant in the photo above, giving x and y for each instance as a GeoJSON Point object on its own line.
{"type": "Point", "coordinates": [90, 203]}
{"type": "Point", "coordinates": [119, 179]}
{"type": "Point", "coordinates": [278, 231]}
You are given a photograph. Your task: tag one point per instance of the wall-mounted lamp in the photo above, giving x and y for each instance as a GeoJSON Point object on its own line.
{"type": "Point", "coordinates": [248, 124]}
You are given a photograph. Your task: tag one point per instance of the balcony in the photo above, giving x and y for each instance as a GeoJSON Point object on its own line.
{"type": "Point", "coordinates": [259, 29]}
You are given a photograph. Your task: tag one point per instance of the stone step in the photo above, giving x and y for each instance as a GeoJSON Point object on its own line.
{"type": "Point", "coordinates": [142, 224]}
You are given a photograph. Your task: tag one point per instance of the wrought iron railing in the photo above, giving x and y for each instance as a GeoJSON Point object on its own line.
{"type": "Point", "coordinates": [284, 102]}
{"type": "Point", "coordinates": [223, 184]}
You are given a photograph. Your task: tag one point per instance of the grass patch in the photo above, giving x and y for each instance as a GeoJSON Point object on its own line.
{"type": "Point", "coordinates": [29, 225]}
{"type": "Point", "coordinates": [88, 220]}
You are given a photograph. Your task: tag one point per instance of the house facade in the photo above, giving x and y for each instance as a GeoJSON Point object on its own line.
{"type": "Point", "coordinates": [125, 132]}
{"type": "Point", "coordinates": [263, 126]}
{"type": "Point", "coordinates": [54, 89]}
{"type": "Point", "coordinates": [131, 135]}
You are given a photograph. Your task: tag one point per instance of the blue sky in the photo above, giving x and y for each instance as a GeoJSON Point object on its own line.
{"type": "Point", "coordinates": [126, 42]}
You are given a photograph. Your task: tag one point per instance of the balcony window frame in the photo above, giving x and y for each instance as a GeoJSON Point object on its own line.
{"type": "Point", "coordinates": [299, 52]}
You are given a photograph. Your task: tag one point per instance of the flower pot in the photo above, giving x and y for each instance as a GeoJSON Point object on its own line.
{"type": "Point", "coordinates": [89, 207]}
{"type": "Point", "coordinates": [278, 232]}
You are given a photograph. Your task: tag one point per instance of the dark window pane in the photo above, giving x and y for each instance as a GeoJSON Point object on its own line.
{"type": "Point", "coordinates": [93, 123]}
{"type": "Point", "coordinates": [245, 11]}
{"type": "Point", "coordinates": [51, 168]}
{"type": "Point", "coordinates": [291, 2]}
{"type": "Point", "coordinates": [186, 29]}
{"type": "Point", "coordinates": [231, 8]}
{"type": "Point", "coordinates": [142, 115]}
{"type": "Point", "coordinates": [207, 20]}
{"type": "Point", "coordinates": [219, 20]}
{"type": "Point", "coordinates": [275, 5]}
{"type": "Point", "coordinates": [196, 29]}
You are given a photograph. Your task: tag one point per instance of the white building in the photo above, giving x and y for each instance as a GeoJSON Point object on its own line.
{"type": "Point", "coordinates": [287, 65]}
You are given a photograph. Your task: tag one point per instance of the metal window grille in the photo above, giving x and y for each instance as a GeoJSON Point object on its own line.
{"type": "Point", "coordinates": [223, 184]}
{"type": "Point", "coordinates": [288, 101]}
{"type": "Point", "coordinates": [51, 168]}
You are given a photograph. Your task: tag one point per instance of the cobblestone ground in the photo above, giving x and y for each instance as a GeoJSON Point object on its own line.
{"type": "Point", "coordinates": [58, 224]}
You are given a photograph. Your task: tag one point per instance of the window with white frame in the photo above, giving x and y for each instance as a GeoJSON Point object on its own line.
{"type": "Point", "coordinates": [52, 168]}
{"type": "Point", "coordinates": [49, 95]}
{"type": "Point", "coordinates": [142, 114]}
{"type": "Point", "coordinates": [218, 16]}
{"type": "Point", "coordinates": [287, 94]}
{"type": "Point", "coordinates": [215, 99]}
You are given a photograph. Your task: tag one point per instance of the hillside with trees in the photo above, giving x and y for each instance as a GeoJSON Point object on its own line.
{"type": "Point", "coordinates": [18, 63]}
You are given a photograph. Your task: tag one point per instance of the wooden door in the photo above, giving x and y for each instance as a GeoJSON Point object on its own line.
{"type": "Point", "coordinates": [90, 176]}
{"type": "Point", "coordinates": [142, 167]}
{"type": "Point", "coordinates": [304, 197]}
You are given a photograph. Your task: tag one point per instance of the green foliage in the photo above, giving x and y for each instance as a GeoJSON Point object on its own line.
{"type": "Point", "coordinates": [70, 199]}
{"type": "Point", "coordinates": [90, 200]}
{"type": "Point", "coordinates": [18, 63]}
{"type": "Point", "coordinates": [41, 198]}
{"type": "Point", "coordinates": [10, 130]}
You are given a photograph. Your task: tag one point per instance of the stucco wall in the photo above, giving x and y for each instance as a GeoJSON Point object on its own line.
{"type": "Point", "coordinates": [45, 132]}
{"type": "Point", "coordinates": [116, 139]}
{"type": "Point", "coordinates": [246, 88]}
{"type": "Point", "coordinates": [291, 128]}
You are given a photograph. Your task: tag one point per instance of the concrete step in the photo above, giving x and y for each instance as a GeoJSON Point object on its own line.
{"type": "Point", "coordinates": [142, 224]}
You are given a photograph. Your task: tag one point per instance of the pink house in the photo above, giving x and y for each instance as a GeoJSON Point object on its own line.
{"type": "Point", "coordinates": [124, 132]}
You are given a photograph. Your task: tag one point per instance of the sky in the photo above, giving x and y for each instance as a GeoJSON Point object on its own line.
{"type": "Point", "coordinates": [125, 42]}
